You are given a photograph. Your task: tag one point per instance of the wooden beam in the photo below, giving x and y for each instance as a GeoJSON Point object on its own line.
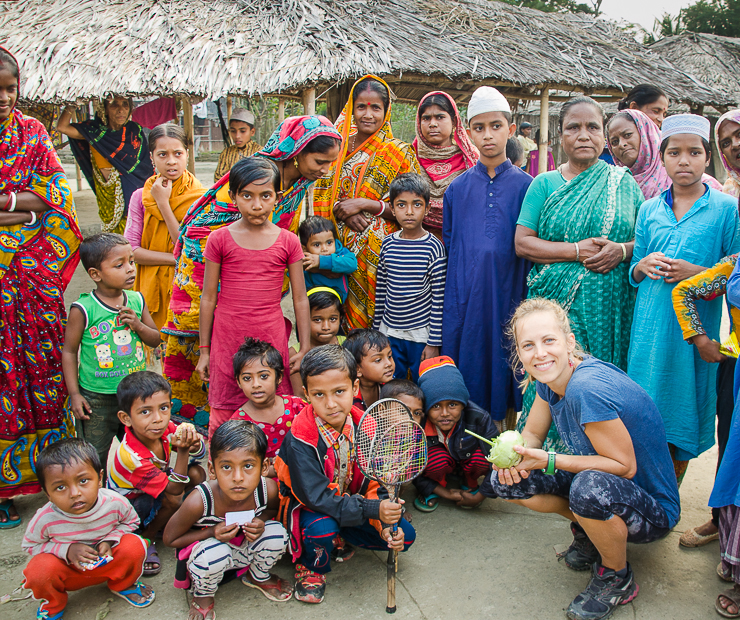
{"type": "Point", "coordinates": [544, 126]}
{"type": "Point", "coordinates": [229, 107]}
{"type": "Point", "coordinates": [187, 121]}
{"type": "Point", "coordinates": [281, 110]}
{"type": "Point", "coordinates": [309, 101]}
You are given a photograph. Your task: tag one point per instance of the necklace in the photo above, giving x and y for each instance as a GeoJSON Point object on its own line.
{"type": "Point", "coordinates": [354, 139]}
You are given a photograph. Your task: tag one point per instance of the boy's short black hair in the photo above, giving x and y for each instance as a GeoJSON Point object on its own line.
{"type": "Point", "coordinates": [399, 387]}
{"type": "Point", "coordinates": [142, 385]}
{"type": "Point", "coordinates": [235, 434]}
{"type": "Point", "coordinates": [65, 452]}
{"type": "Point", "coordinates": [328, 357]}
{"type": "Point", "coordinates": [361, 341]}
{"type": "Point", "coordinates": [411, 182]}
{"type": "Point", "coordinates": [254, 349]}
{"type": "Point", "coordinates": [514, 150]}
{"type": "Point", "coordinates": [93, 250]}
{"type": "Point", "coordinates": [313, 225]}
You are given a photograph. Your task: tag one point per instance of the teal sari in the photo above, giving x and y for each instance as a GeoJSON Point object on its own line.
{"type": "Point", "coordinates": [603, 201]}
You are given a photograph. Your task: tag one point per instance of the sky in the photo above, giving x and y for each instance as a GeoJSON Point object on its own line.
{"type": "Point", "coordinates": [642, 12]}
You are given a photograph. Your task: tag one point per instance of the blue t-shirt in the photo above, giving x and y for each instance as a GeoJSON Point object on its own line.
{"type": "Point", "coordinates": [598, 392]}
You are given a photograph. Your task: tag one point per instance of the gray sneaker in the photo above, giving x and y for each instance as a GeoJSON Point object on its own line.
{"type": "Point", "coordinates": [605, 591]}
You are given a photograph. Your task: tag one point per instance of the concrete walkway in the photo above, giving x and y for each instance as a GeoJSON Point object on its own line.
{"type": "Point", "coordinates": [496, 562]}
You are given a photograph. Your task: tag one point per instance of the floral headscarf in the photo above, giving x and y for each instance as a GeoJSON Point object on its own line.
{"type": "Point", "coordinates": [732, 185]}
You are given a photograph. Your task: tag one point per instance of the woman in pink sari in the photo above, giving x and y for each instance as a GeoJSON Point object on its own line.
{"type": "Point", "coordinates": [634, 141]}
{"type": "Point", "coordinates": [443, 149]}
{"type": "Point", "coordinates": [727, 135]}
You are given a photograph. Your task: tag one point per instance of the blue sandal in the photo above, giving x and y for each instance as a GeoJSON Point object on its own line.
{"type": "Point", "coordinates": [42, 614]}
{"type": "Point", "coordinates": [126, 595]}
{"type": "Point", "coordinates": [10, 522]}
{"type": "Point", "coordinates": [465, 487]}
{"type": "Point", "coordinates": [422, 504]}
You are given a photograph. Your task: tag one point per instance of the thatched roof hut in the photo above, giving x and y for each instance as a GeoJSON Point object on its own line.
{"type": "Point", "coordinates": [212, 48]}
{"type": "Point", "coordinates": [710, 58]}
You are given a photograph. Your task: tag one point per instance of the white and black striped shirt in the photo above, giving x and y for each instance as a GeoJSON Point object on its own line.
{"type": "Point", "coordinates": [410, 285]}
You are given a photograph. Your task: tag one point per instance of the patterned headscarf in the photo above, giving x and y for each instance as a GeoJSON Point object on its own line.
{"type": "Point", "coordinates": [289, 139]}
{"type": "Point", "coordinates": [732, 185]}
{"type": "Point", "coordinates": [648, 170]}
{"type": "Point", "coordinates": [442, 165]}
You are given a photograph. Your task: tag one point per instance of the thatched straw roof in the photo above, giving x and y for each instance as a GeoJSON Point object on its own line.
{"type": "Point", "coordinates": [710, 58]}
{"type": "Point", "coordinates": [212, 48]}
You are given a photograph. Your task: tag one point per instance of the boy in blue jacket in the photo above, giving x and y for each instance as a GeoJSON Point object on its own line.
{"type": "Point", "coordinates": [451, 450]}
{"type": "Point", "coordinates": [326, 262]}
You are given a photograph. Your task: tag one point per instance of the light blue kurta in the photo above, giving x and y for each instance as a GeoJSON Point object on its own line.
{"type": "Point", "coordinates": [680, 383]}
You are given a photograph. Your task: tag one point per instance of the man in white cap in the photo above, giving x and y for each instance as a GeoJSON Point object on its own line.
{"type": "Point", "coordinates": [241, 131]}
{"type": "Point", "coordinates": [485, 278]}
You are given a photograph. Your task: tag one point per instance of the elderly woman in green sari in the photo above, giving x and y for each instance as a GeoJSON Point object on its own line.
{"type": "Point", "coordinates": [577, 225]}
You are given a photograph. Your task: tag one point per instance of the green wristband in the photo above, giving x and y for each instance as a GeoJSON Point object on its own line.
{"type": "Point", "coordinates": [550, 470]}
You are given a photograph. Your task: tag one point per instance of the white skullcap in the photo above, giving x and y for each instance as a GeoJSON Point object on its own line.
{"type": "Point", "coordinates": [487, 99]}
{"type": "Point", "coordinates": [243, 115]}
{"type": "Point", "coordinates": [685, 123]}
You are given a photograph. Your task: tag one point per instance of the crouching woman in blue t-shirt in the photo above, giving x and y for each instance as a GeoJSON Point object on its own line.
{"type": "Point", "coordinates": [618, 485]}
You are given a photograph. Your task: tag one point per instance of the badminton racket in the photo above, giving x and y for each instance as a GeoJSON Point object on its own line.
{"type": "Point", "coordinates": [391, 449]}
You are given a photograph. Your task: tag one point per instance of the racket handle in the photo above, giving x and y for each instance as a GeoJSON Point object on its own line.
{"type": "Point", "coordinates": [391, 568]}
{"type": "Point", "coordinates": [488, 441]}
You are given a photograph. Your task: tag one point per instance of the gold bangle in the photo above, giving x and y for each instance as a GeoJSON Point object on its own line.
{"type": "Point", "coordinates": [624, 252]}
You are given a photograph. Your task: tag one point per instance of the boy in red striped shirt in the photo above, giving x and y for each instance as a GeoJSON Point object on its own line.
{"type": "Point", "coordinates": [84, 535]}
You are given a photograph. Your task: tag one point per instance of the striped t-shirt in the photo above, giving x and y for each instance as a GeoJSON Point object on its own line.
{"type": "Point", "coordinates": [410, 285]}
{"type": "Point", "coordinates": [53, 531]}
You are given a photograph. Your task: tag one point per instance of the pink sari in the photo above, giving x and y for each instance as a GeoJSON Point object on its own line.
{"type": "Point", "coordinates": [732, 184]}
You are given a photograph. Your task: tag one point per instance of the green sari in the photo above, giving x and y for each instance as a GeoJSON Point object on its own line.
{"type": "Point", "coordinates": [603, 201]}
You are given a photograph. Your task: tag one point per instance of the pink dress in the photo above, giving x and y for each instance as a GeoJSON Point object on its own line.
{"type": "Point", "coordinates": [248, 305]}
{"type": "Point", "coordinates": [276, 432]}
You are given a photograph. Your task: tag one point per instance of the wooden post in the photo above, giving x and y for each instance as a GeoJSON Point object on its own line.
{"type": "Point", "coordinates": [281, 110]}
{"type": "Point", "coordinates": [187, 121]}
{"type": "Point", "coordinates": [229, 107]}
{"type": "Point", "coordinates": [309, 101]}
{"type": "Point", "coordinates": [77, 117]}
{"type": "Point", "coordinates": [544, 126]}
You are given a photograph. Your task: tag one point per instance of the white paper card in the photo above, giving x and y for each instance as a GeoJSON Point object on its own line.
{"type": "Point", "coordinates": [239, 518]}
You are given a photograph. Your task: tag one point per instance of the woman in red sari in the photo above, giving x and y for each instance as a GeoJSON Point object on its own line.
{"type": "Point", "coordinates": [39, 238]}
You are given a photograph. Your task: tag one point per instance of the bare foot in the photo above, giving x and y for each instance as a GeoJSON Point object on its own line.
{"type": "Point", "coordinates": [146, 594]}
{"type": "Point", "coordinates": [201, 608]}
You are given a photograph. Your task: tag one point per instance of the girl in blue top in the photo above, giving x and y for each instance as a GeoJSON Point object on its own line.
{"type": "Point", "coordinates": [618, 484]}
{"type": "Point", "coordinates": [678, 234]}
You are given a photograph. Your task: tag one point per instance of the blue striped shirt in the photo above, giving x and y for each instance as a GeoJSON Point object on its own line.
{"type": "Point", "coordinates": [410, 286]}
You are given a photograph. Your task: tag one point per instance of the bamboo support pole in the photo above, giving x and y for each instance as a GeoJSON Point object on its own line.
{"type": "Point", "coordinates": [544, 126]}
{"type": "Point", "coordinates": [281, 110]}
{"type": "Point", "coordinates": [187, 121]}
{"type": "Point", "coordinates": [229, 107]}
{"type": "Point", "coordinates": [309, 101]}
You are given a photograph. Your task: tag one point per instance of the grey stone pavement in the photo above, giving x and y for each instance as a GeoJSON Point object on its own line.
{"type": "Point", "coordinates": [496, 562]}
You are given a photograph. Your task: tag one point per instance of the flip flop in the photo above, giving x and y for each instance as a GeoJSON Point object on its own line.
{"type": "Point", "coordinates": [721, 573]}
{"type": "Point", "coordinates": [138, 590]}
{"type": "Point", "coordinates": [733, 595]}
{"type": "Point", "coordinates": [422, 504]}
{"type": "Point", "coordinates": [11, 522]}
{"type": "Point", "coordinates": [42, 614]}
{"type": "Point", "coordinates": [204, 611]}
{"type": "Point", "coordinates": [273, 592]}
{"type": "Point", "coordinates": [692, 539]}
{"type": "Point", "coordinates": [152, 557]}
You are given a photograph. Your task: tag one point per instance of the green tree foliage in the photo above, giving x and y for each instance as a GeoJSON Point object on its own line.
{"type": "Point", "coordinates": [592, 7]}
{"type": "Point", "coordinates": [720, 17]}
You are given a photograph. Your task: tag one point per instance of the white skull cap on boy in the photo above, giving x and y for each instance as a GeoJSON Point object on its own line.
{"type": "Point", "coordinates": [685, 123]}
{"type": "Point", "coordinates": [487, 99]}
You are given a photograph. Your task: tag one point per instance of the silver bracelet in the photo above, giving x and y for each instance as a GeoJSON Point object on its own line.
{"type": "Point", "coordinates": [578, 252]}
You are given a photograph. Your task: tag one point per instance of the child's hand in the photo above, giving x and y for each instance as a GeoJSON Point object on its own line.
{"type": "Point", "coordinates": [454, 495]}
{"type": "Point", "coordinates": [680, 269]}
{"type": "Point", "coordinates": [161, 191]}
{"type": "Point", "coordinates": [429, 352]}
{"type": "Point", "coordinates": [80, 407]}
{"type": "Point", "coordinates": [254, 529]}
{"type": "Point", "coordinates": [204, 365]}
{"type": "Point", "coordinates": [295, 361]}
{"type": "Point", "coordinates": [708, 349]}
{"type": "Point", "coordinates": [311, 262]}
{"type": "Point", "coordinates": [224, 532]}
{"type": "Point", "coordinates": [394, 542]}
{"type": "Point", "coordinates": [79, 553]}
{"type": "Point", "coordinates": [653, 266]}
{"type": "Point", "coordinates": [128, 317]}
{"type": "Point", "coordinates": [470, 500]}
{"type": "Point", "coordinates": [271, 473]}
{"type": "Point", "coordinates": [184, 438]}
{"type": "Point", "coordinates": [390, 512]}
{"type": "Point", "coordinates": [104, 548]}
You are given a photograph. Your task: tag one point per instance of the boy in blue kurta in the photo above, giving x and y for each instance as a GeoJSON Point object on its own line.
{"type": "Point", "coordinates": [485, 278]}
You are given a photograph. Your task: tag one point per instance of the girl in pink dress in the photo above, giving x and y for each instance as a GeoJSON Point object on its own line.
{"type": "Point", "coordinates": [248, 260]}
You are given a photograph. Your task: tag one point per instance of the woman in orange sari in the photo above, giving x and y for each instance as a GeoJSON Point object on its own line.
{"type": "Point", "coordinates": [155, 214]}
{"type": "Point", "coordinates": [355, 194]}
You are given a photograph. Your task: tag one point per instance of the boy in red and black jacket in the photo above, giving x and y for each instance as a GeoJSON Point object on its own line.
{"type": "Point", "coordinates": [323, 494]}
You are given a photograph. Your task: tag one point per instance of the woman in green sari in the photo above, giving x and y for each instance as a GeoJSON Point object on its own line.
{"type": "Point", "coordinates": [577, 225]}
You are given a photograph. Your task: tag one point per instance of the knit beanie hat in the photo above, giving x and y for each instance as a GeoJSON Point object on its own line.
{"type": "Point", "coordinates": [440, 380]}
